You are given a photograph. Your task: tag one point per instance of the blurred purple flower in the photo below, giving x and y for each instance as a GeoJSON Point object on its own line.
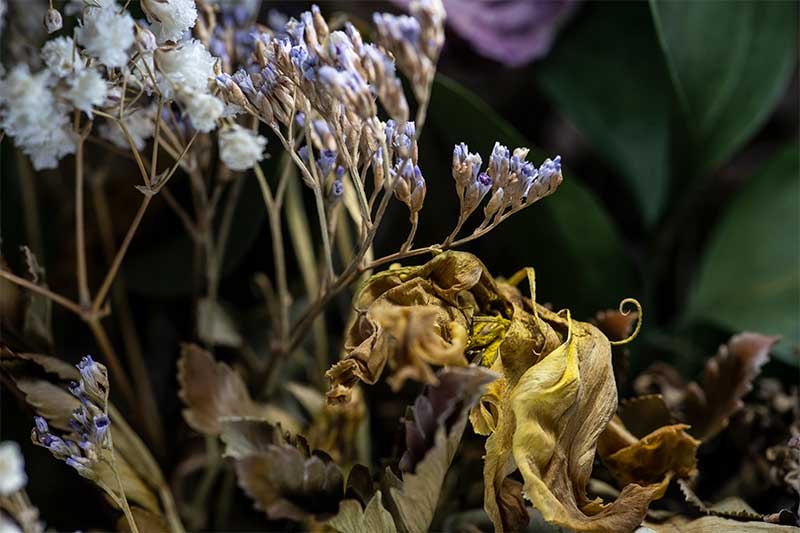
{"type": "Point", "coordinates": [513, 32]}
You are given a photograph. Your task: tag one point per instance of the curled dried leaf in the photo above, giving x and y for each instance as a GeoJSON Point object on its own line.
{"type": "Point", "coordinates": [413, 317]}
{"type": "Point", "coordinates": [667, 451]}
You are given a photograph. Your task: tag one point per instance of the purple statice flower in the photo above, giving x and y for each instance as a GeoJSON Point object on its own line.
{"type": "Point", "coordinates": [245, 83]}
{"type": "Point", "coordinates": [513, 32]}
{"type": "Point", "coordinates": [326, 161]}
{"type": "Point", "coordinates": [303, 153]}
{"type": "Point", "coordinates": [337, 189]}
{"type": "Point", "coordinates": [550, 167]}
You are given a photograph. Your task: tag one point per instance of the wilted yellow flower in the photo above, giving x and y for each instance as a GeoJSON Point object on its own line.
{"type": "Point", "coordinates": [544, 416]}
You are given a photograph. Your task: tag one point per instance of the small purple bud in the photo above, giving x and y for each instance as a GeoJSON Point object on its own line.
{"type": "Point", "coordinates": [484, 179]}
{"type": "Point", "coordinates": [41, 424]}
{"type": "Point", "coordinates": [339, 172]}
{"type": "Point", "coordinates": [245, 83]}
{"type": "Point", "coordinates": [303, 153]}
{"type": "Point", "coordinates": [300, 119]}
{"type": "Point", "coordinates": [326, 161]}
{"type": "Point", "coordinates": [101, 423]}
{"type": "Point", "coordinates": [223, 80]}
{"type": "Point", "coordinates": [338, 188]}
{"type": "Point", "coordinates": [81, 464]}
{"type": "Point", "coordinates": [391, 127]}
{"type": "Point", "coordinates": [408, 171]}
{"type": "Point", "coordinates": [217, 48]}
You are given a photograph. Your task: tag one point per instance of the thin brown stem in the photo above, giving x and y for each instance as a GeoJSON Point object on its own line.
{"type": "Point", "coordinates": [127, 326]}
{"type": "Point", "coordinates": [80, 229]}
{"type": "Point", "coordinates": [278, 254]}
{"type": "Point", "coordinates": [115, 265]}
{"type": "Point", "coordinates": [57, 298]}
{"type": "Point", "coordinates": [118, 372]}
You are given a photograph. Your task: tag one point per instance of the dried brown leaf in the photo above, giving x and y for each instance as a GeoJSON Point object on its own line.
{"type": "Point", "coordinates": [279, 474]}
{"type": "Point", "coordinates": [351, 518]}
{"type": "Point", "coordinates": [667, 451]}
{"type": "Point", "coordinates": [50, 401]}
{"type": "Point", "coordinates": [716, 524]}
{"type": "Point", "coordinates": [433, 438]}
{"type": "Point", "coordinates": [211, 390]}
{"type": "Point", "coordinates": [727, 378]}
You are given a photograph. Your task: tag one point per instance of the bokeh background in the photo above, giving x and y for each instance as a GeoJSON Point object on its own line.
{"type": "Point", "coordinates": [677, 124]}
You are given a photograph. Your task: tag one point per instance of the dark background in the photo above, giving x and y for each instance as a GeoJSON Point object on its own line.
{"type": "Point", "coordinates": [679, 141]}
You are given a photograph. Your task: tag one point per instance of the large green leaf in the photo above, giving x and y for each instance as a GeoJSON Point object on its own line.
{"type": "Point", "coordinates": [568, 237]}
{"type": "Point", "coordinates": [730, 63]}
{"type": "Point", "coordinates": [608, 77]}
{"type": "Point", "coordinates": [750, 276]}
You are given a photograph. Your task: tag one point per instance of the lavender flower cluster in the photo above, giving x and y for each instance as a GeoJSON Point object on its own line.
{"type": "Point", "coordinates": [88, 442]}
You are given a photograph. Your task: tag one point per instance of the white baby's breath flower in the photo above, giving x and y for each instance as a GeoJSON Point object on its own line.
{"type": "Point", "coordinates": [203, 109]}
{"type": "Point", "coordinates": [12, 468]}
{"type": "Point", "coordinates": [107, 35]}
{"type": "Point", "coordinates": [61, 56]}
{"type": "Point", "coordinates": [34, 118]}
{"type": "Point", "coordinates": [87, 89]}
{"type": "Point", "coordinates": [170, 18]}
{"type": "Point", "coordinates": [240, 148]}
{"type": "Point", "coordinates": [186, 67]}
{"type": "Point", "coordinates": [140, 125]}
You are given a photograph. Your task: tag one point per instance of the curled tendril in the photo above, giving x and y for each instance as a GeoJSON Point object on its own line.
{"type": "Point", "coordinates": [635, 333]}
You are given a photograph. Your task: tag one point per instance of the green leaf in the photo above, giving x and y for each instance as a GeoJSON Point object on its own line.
{"type": "Point", "coordinates": [730, 63]}
{"type": "Point", "coordinates": [566, 236]}
{"type": "Point", "coordinates": [607, 76]}
{"type": "Point", "coordinates": [749, 279]}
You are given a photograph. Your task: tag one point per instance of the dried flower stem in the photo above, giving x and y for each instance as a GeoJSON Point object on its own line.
{"type": "Point", "coordinates": [120, 376]}
{"type": "Point", "coordinates": [56, 298]}
{"type": "Point", "coordinates": [147, 404]}
{"type": "Point", "coordinates": [115, 265]}
{"type": "Point", "coordinates": [274, 216]}
{"type": "Point", "coordinates": [80, 230]}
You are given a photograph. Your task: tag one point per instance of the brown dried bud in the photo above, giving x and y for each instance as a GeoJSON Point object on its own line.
{"type": "Point", "coordinates": [494, 204]}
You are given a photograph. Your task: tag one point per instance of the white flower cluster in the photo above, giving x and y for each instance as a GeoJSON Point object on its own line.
{"type": "Point", "coordinates": [186, 70]}
{"type": "Point", "coordinates": [61, 56]}
{"type": "Point", "coordinates": [170, 18]}
{"type": "Point", "coordinates": [107, 34]}
{"type": "Point", "coordinates": [12, 468]}
{"type": "Point", "coordinates": [30, 113]}
{"type": "Point", "coordinates": [240, 148]}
